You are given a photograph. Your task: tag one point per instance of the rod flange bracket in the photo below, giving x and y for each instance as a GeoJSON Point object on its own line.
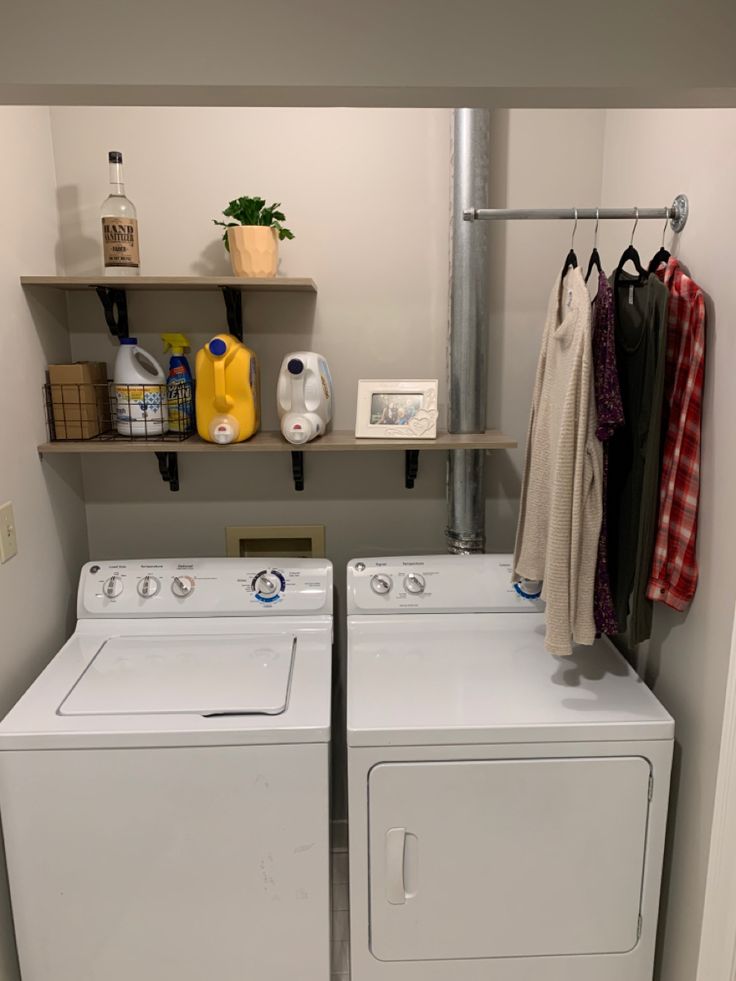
{"type": "Point", "coordinates": [681, 209]}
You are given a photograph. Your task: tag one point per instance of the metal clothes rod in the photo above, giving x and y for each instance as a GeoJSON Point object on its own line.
{"type": "Point", "coordinates": [677, 213]}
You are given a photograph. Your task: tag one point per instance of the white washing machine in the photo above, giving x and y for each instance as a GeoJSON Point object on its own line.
{"type": "Point", "coordinates": [507, 808]}
{"type": "Point", "coordinates": [164, 783]}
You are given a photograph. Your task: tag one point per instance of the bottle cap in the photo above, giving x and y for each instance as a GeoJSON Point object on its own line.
{"type": "Point", "coordinates": [115, 157]}
{"type": "Point", "coordinates": [128, 340]}
{"type": "Point", "coordinates": [217, 346]}
{"type": "Point", "coordinates": [295, 366]}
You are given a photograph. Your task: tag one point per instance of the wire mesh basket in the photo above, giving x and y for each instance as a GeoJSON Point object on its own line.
{"type": "Point", "coordinates": [105, 411]}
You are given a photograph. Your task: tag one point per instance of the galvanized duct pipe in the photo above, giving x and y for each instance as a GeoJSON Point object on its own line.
{"type": "Point", "coordinates": [469, 305]}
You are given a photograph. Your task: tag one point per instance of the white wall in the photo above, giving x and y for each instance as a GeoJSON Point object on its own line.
{"type": "Point", "coordinates": [649, 157]}
{"type": "Point", "coordinates": [367, 194]}
{"type": "Point", "coordinates": [384, 53]}
{"type": "Point", "coordinates": [37, 588]}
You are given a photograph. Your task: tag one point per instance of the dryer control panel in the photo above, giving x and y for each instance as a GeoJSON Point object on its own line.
{"type": "Point", "coordinates": [439, 584]}
{"type": "Point", "coordinates": [205, 588]}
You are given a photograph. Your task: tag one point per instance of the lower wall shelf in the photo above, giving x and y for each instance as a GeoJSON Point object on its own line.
{"type": "Point", "coordinates": [273, 442]}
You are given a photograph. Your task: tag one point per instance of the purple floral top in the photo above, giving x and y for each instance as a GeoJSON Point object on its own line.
{"type": "Point", "coordinates": [610, 412]}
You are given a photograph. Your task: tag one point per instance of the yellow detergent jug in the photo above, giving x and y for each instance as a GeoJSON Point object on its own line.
{"type": "Point", "coordinates": [227, 392]}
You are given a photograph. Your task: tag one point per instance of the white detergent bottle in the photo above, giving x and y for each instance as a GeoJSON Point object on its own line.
{"type": "Point", "coordinates": [140, 392]}
{"type": "Point", "coordinates": [304, 395]}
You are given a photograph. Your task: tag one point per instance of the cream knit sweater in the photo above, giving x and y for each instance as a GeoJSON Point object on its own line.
{"type": "Point", "coordinates": [561, 497]}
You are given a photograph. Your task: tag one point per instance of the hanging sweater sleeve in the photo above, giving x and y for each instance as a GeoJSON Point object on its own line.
{"type": "Point", "coordinates": [590, 517]}
{"type": "Point", "coordinates": [521, 542]}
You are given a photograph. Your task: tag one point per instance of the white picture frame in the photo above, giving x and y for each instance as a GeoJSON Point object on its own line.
{"type": "Point", "coordinates": [396, 408]}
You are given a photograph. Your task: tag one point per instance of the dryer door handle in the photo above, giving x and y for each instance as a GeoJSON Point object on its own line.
{"type": "Point", "coordinates": [395, 845]}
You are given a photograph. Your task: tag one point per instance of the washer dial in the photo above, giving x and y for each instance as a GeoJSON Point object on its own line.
{"type": "Point", "coordinates": [113, 587]}
{"type": "Point", "coordinates": [268, 586]}
{"type": "Point", "coordinates": [182, 586]}
{"type": "Point", "coordinates": [148, 586]}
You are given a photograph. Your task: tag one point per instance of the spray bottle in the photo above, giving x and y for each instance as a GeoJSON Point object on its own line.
{"type": "Point", "coordinates": [179, 385]}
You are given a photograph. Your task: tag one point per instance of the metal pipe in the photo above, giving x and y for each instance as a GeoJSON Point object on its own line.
{"type": "Point", "coordinates": [468, 328]}
{"type": "Point", "coordinates": [677, 213]}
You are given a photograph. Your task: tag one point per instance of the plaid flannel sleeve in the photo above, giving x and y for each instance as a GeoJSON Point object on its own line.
{"type": "Point", "coordinates": [674, 574]}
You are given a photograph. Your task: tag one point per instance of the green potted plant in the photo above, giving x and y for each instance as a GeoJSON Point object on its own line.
{"type": "Point", "coordinates": [252, 236]}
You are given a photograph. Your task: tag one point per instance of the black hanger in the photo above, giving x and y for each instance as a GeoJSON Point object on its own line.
{"type": "Point", "coordinates": [595, 257]}
{"type": "Point", "coordinates": [661, 255]}
{"type": "Point", "coordinates": [631, 255]}
{"type": "Point", "coordinates": [571, 259]}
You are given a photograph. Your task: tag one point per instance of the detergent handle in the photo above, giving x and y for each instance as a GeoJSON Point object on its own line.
{"type": "Point", "coordinates": [223, 402]}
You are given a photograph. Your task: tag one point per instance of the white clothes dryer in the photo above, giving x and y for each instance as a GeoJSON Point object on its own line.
{"type": "Point", "coordinates": [164, 783]}
{"type": "Point", "coordinates": [507, 808]}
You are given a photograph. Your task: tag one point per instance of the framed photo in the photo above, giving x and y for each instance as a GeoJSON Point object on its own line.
{"type": "Point", "coordinates": [391, 408]}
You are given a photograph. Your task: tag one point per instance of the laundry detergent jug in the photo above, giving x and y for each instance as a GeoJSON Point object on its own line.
{"type": "Point", "coordinates": [227, 397]}
{"type": "Point", "coordinates": [140, 391]}
{"type": "Point", "coordinates": [304, 395]}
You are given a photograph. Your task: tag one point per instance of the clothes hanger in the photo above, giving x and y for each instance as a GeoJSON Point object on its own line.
{"type": "Point", "coordinates": [572, 260]}
{"type": "Point", "coordinates": [662, 254]}
{"type": "Point", "coordinates": [631, 255]}
{"type": "Point", "coordinates": [595, 258]}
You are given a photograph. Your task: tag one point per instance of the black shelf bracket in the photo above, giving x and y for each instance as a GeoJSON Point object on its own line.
{"type": "Point", "coordinates": [411, 468]}
{"type": "Point", "coordinates": [115, 304]}
{"type": "Point", "coordinates": [168, 465]}
{"type": "Point", "coordinates": [234, 308]}
{"type": "Point", "coordinates": [297, 469]}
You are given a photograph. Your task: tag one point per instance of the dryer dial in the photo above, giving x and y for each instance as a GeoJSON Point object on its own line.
{"type": "Point", "coordinates": [148, 586]}
{"type": "Point", "coordinates": [381, 584]}
{"type": "Point", "coordinates": [414, 583]}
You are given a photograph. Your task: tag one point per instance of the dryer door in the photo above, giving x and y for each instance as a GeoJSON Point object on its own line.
{"type": "Point", "coordinates": [506, 858]}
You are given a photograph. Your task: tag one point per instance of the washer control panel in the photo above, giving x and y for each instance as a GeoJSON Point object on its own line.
{"type": "Point", "coordinates": [437, 584]}
{"type": "Point", "coordinates": [205, 588]}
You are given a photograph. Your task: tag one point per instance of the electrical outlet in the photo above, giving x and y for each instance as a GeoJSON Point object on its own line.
{"type": "Point", "coordinates": [8, 543]}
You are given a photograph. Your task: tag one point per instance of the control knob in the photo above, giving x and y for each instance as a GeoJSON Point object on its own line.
{"type": "Point", "coordinates": [381, 584]}
{"type": "Point", "coordinates": [414, 583]}
{"type": "Point", "coordinates": [267, 584]}
{"type": "Point", "coordinates": [148, 586]}
{"type": "Point", "coordinates": [182, 585]}
{"type": "Point", "coordinates": [113, 587]}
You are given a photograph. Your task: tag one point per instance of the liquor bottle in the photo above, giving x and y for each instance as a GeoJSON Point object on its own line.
{"type": "Point", "coordinates": [119, 225]}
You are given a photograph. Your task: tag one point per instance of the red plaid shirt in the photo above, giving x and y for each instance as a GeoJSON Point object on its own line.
{"type": "Point", "coordinates": [674, 573]}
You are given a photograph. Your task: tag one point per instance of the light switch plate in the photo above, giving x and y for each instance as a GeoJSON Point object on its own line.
{"type": "Point", "coordinates": [8, 543]}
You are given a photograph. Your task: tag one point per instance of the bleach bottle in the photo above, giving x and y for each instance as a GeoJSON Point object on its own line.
{"type": "Point", "coordinates": [304, 395]}
{"type": "Point", "coordinates": [140, 391]}
{"type": "Point", "coordinates": [227, 398]}
{"type": "Point", "coordinates": [179, 385]}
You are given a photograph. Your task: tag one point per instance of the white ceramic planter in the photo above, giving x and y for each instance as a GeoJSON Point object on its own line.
{"type": "Point", "coordinates": [254, 250]}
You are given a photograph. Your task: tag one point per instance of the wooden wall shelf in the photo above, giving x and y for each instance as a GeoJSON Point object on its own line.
{"type": "Point", "coordinates": [278, 284]}
{"type": "Point", "coordinates": [167, 451]}
{"type": "Point", "coordinates": [113, 292]}
{"type": "Point", "coordinates": [273, 442]}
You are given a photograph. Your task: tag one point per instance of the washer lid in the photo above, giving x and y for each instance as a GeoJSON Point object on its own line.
{"type": "Point", "coordinates": [202, 675]}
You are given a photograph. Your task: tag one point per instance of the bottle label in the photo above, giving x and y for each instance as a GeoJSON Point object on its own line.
{"type": "Point", "coordinates": [120, 242]}
{"type": "Point", "coordinates": [141, 403]}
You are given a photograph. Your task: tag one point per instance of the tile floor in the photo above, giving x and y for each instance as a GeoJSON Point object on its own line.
{"type": "Point", "coordinates": [340, 904]}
